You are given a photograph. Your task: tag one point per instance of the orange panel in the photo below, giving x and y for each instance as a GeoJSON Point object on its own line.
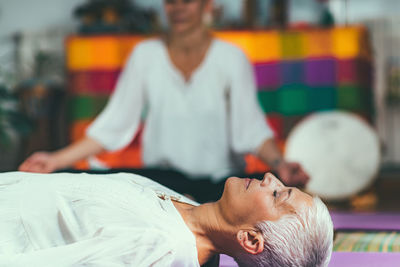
{"type": "Point", "coordinates": [267, 47]}
{"type": "Point", "coordinates": [106, 53]}
{"type": "Point", "coordinates": [350, 42]}
{"type": "Point", "coordinates": [127, 44]}
{"type": "Point", "coordinates": [79, 53]}
{"type": "Point", "coordinates": [78, 129]}
{"type": "Point", "coordinates": [318, 43]}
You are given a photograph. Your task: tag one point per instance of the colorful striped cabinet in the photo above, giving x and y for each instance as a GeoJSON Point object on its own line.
{"type": "Point", "coordinates": [297, 73]}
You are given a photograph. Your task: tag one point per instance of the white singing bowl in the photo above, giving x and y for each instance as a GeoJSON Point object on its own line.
{"type": "Point", "coordinates": [339, 151]}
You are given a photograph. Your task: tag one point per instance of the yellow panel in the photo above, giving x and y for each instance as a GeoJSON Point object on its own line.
{"type": "Point", "coordinates": [243, 40]}
{"type": "Point", "coordinates": [267, 46]}
{"type": "Point", "coordinates": [347, 42]}
{"type": "Point", "coordinates": [79, 53]}
{"type": "Point", "coordinates": [293, 45]}
{"type": "Point", "coordinates": [318, 43]}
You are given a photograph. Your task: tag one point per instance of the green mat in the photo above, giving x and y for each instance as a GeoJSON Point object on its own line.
{"type": "Point", "coordinates": [85, 107]}
{"type": "Point", "coordinates": [367, 241]}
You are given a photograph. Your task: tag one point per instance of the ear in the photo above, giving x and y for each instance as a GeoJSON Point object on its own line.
{"type": "Point", "coordinates": [251, 241]}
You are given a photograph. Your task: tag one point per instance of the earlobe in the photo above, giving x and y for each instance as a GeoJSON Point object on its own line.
{"type": "Point", "coordinates": [251, 241]}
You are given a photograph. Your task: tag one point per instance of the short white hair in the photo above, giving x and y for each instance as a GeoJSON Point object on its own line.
{"type": "Point", "coordinates": [303, 239]}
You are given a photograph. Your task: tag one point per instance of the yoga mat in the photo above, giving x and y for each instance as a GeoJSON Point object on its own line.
{"type": "Point", "coordinates": [289, 122]}
{"type": "Point", "coordinates": [275, 121]}
{"type": "Point", "coordinates": [318, 43]}
{"type": "Point", "coordinates": [266, 46]}
{"type": "Point", "coordinates": [320, 72]}
{"type": "Point", "coordinates": [353, 98]}
{"type": "Point", "coordinates": [348, 42]}
{"type": "Point", "coordinates": [267, 100]}
{"type": "Point", "coordinates": [226, 261]}
{"type": "Point", "coordinates": [322, 98]}
{"type": "Point", "coordinates": [293, 100]}
{"type": "Point", "coordinates": [85, 107]}
{"type": "Point", "coordinates": [365, 221]}
{"type": "Point", "coordinates": [367, 241]}
{"type": "Point", "coordinates": [354, 72]}
{"type": "Point", "coordinates": [105, 52]}
{"type": "Point", "coordinates": [364, 259]}
{"type": "Point", "coordinates": [93, 82]}
{"type": "Point", "coordinates": [292, 43]}
{"type": "Point", "coordinates": [293, 72]}
{"type": "Point", "coordinates": [268, 75]}
{"type": "Point", "coordinates": [344, 259]}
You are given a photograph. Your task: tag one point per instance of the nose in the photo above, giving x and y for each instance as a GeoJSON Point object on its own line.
{"type": "Point", "coordinates": [270, 180]}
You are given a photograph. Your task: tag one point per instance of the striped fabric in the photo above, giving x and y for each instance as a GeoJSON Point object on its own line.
{"type": "Point", "coordinates": [297, 72]}
{"type": "Point", "coordinates": [367, 241]}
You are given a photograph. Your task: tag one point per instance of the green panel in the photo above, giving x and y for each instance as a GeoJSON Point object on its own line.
{"type": "Point", "coordinates": [293, 100]}
{"type": "Point", "coordinates": [85, 107]}
{"type": "Point", "coordinates": [267, 101]}
{"type": "Point", "coordinates": [292, 45]}
{"type": "Point", "coordinates": [322, 98]}
{"type": "Point", "coordinates": [352, 98]}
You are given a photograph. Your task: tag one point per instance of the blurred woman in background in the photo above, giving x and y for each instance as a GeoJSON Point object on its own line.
{"type": "Point", "coordinates": [202, 110]}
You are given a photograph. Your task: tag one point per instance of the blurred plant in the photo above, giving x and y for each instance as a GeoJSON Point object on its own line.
{"type": "Point", "coordinates": [12, 121]}
{"type": "Point", "coordinates": [393, 81]}
{"type": "Point", "coordinates": [7, 64]}
{"type": "Point", "coordinates": [114, 16]}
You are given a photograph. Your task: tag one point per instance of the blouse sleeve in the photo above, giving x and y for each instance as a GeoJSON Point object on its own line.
{"type": "Point", "coordinates": [117, 124]}
{"type": "Point", "coordinates": [248, 124]}
{"type": "Point", "coordinates": [140, 248]}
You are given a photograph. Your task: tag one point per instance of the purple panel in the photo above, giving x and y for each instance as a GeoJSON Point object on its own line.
{"type": "Point", "coordinates": [365, 221]}
{"type": "Point", "coordinates": [226, 261]}
{"type": "Point", "coordinates": [320, 72]}
{"type": "Point", "coordinates": [354, 71]}
{"type": "Point", "coordinates": [267, 75]}
{"type": "Point", "coordinates": [292, 72]}
{"type": "Point", "coordinates": [364, 259]}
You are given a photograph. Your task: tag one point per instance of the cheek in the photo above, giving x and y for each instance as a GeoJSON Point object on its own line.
{"type": "Point", "coordinates": [264, 208]}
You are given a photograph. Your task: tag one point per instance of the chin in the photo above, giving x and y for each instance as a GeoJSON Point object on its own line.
{"type": "Point", "coordinates": [183, 28]}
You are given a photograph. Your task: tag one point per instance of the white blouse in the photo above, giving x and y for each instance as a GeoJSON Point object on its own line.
{"type": "Point", "coordinates": [198, 126]}
{"type": "Point", "coordinates": [112, 220]}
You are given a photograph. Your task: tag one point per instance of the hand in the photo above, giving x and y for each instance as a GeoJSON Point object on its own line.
{"type": "Point", "coordinates": [42, 162]}
{"type": "Point", "coordinates": [292, 174]}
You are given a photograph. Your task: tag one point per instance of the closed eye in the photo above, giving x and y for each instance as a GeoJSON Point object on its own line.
{"type": "Point", "coordinates": [275, 193]}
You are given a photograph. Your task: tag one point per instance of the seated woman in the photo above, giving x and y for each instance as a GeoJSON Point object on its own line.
{"type": "Point", "coordinates": [128, 220]}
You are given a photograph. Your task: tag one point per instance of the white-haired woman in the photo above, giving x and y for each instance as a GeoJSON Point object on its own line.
{"type": "Point", "coordinates": [203, 114]}
{"type": "Point", "coordinates": [128, 220]}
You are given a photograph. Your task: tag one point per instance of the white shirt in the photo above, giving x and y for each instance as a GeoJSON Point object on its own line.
{"type": "Point", "coordinates": [198, 126]}
{"type": "Point", "coordinates": [117, 220]}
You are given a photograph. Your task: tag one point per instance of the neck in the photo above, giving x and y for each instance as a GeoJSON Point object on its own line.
{"type": "Point", "coordinates": [190, 41]}
{"type": "Point", "coordinates": [213, 234]}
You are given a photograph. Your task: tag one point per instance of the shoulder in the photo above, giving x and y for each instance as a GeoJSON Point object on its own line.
{"type": "Point", "coordinates": [229, 56]}
{"type": "Point", "coordinates": [146, 49]}
{"type": "Point", "coordinates": [229, 50]}
{"type": "Point", "coordinates": [149, 44]}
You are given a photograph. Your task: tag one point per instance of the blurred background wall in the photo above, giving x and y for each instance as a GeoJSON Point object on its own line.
{"type": "Point", "coordinates": [32, 33]}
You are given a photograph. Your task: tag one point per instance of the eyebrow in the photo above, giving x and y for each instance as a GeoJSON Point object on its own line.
{"type": "Point", "coordinates": [289, 194]}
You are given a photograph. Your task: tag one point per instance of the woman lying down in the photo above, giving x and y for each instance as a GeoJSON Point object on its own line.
{"type": "Point", "coordinates": [128, 220]}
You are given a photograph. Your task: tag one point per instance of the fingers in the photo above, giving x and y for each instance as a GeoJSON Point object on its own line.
{"type": "Point", "coordinates": [38, 162]}
{"type": "Point", "coordinates": [293, 175]}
